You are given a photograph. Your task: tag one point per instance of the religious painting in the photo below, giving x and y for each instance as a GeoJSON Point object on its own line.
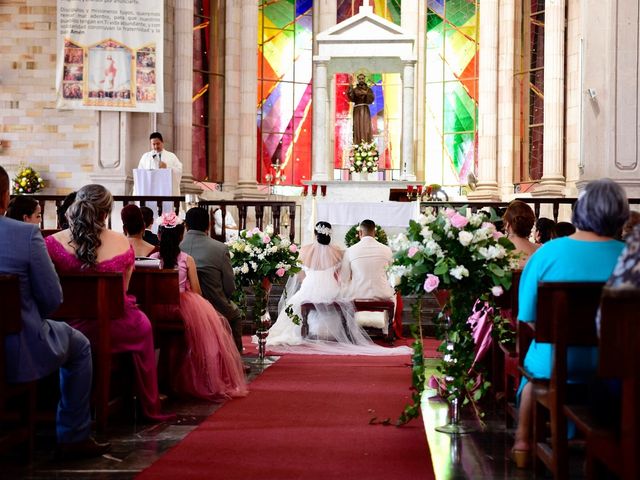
{"type": "Point", "coordinates": [109, 79]}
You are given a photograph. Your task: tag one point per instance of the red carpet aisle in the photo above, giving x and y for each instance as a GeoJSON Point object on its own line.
{"type": "Point", "coordinates": [307, 417]}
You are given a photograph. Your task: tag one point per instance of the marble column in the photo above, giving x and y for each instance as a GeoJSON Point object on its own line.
{"type": "Point", "coordinates": [232, 94]}
{"type": "Point", "coordinates": [506, 52]}
{"type": "Point", "coordinates": [488, 104]}
{"type": "Point", "coordinates": [408, 166]}
{"type": "Point", "coordinates": [326, 12]}
{"type": "Point", "coordinates": [183, 87]}
{"type": "Point", "coordinates": [248, 95]}
{"type": "Point", "coordinates": [553, 180]}
{"type": "Point", "coordinates": [320, 120]}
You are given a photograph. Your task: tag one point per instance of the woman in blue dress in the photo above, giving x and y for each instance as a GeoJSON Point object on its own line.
{"type": "Point", "coordinates": [590, 254]}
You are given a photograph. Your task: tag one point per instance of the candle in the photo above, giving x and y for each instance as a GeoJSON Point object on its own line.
{"type": "Point", "coordinates": [419, 189]}
{"type": "Point", "coordinates": [314, 190]}
{"type": "Point", "coordinates": [323, 190]}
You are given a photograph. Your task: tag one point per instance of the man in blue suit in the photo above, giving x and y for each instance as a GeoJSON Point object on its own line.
{"type": "Point", "coordinates": [44, 346]}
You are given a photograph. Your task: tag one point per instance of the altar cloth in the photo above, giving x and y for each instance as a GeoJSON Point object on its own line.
{"type": "Point", "coordinates": [385, 214]}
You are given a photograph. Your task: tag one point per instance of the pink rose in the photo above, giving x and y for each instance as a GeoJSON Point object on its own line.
{"type": "Point", "coordinates": [266, 239]}
{"type": "Point", "coordinates": [459, 221]}
{"type": "Point", "coordinates": [497, 234]}
{"type": "Point", "coordinates": [293, 248]}
{"type": "Point", "coordinates": [254, 230]}
{"type": "Point", "coordinates": [450, 212]}
{"type": "Point", "coordinates": [488, 225]}
{"type": "Point", "coordinates": [412, 251]}
{"type": "Point", "coordinates": [280, 272]}
{"type": "Point", "coordinates": [497, 291]}
{"type": "Point", "coordinates": [431, 283]}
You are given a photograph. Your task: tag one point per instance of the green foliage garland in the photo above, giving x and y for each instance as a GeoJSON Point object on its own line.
{"type": "Point", "coordinates": [351, 237]}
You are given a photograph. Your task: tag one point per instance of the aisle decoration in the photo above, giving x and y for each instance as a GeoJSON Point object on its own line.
{"type": "Point", "coordinates": [258, 259]}
{"type": "Point", "coordinates": [364, 158]}
{"type": "Point", "coordinates": [27, 181]}
{"type": "Point", "coordinates": [461, 258]}
{"type": "Point", "coordinates": [351, 237]}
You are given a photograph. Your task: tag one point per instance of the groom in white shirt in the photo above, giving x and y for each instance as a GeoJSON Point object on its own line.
{"type": "Point", "coordinates": [364, 267]}
{"type": "Point", "coordinates": [157, 158]}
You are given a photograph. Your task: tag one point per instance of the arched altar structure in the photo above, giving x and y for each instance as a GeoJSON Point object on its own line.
{"type": "Point", "coordinates": [369, 41]}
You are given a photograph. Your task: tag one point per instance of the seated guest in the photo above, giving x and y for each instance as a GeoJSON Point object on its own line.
{"type": "Point", "coordinates": [634, 219]}
{"type": "Point", "coordinates": [88, 246]}
{"type": "Point", "coordinates": [518, 223]}
{"type": "Point", "coordinates": [149, 236]}
{"type": "Point", "coordinates": [230, 225]}
{"type": "Point", "coordinates": [588, 255]}
{"type": "Point", "coordinates": [133, 226]}
{"type": "Point", "coordinates": [62, 210]}
{"type": "Point", "coordinates": [545, 230]}
{"type": "Point", "coordinates": [212, 368]}
{"type": "Point", "coordinates": [44, 346]}
{"type": "Point", "coordinates": [364, 267]}
{"type": "Point", "coordinates": [25, 209]}
{"type": "Point", "coordinates": [564, 229]}
{"type": "Point", "coordinates": [213, 264]}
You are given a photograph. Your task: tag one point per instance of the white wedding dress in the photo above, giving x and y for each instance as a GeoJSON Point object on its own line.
{"type": "Point", "coordinates": [332, 326]}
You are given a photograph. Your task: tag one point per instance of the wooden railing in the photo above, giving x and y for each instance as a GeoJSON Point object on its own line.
{"type": "Point", "coordinates": [250, 212]}
{"type": "Point", "coordinates": [535, 202]}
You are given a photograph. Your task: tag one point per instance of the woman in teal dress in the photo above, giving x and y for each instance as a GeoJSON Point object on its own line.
{"type": "Point", "coordinates": [590, 254]}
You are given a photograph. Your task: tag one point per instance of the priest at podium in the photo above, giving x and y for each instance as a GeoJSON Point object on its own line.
{"type": "Point", "coordinates": [159, 158]}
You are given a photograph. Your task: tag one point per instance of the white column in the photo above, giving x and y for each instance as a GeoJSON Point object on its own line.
{"type": "Point", "coordinates": [327, 13]}
{"type": "Point", "coordinates": [183, 87]}
{"type": "Point", "coordinates": [248, 95]}
{"type": "Point", "coordinates": [553, 181]}
{"type": "Point", "coordinates": [320, 120]}
{"type": "Point", "coordinates": [488, 104]}
{"type": "Point", "coordinates": [506, 51]}
{"type": "Point", "coordinates": [408, 167]}
{"type": "Point", "coordinates": [232, 93]}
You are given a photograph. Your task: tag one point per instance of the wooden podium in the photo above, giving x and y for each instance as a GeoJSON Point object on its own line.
{"type": "Point", "coordinates": [154, 183]}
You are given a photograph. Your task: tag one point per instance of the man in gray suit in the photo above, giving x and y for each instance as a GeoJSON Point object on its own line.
{"type": "Point", "coordinates": [44, 346]}
{"type": "Point", "coordinates": [214, 269]}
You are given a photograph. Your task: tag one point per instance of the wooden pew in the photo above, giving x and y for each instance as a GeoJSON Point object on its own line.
{"type": "Point", "coordinates": [157, 292]}
{"type": "Point", "coordinates": [98, 297]}
{"type": "Point", "coordinates": [18, 419]}
{"type": "Point", "coordinates": [379, 306]}
{"type": "Point", "coordinates": [616, 447]}
{"type": "Point", "coordinates": [565, 317]}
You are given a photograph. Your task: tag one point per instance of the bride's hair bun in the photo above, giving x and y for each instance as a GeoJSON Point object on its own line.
{"type": "Point", "coordinates": [323, 232]}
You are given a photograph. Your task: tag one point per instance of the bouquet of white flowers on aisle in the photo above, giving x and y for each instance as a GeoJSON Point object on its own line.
{"type": "Point", "coordinates": [258, 258]}
{"type": "Point", "coordinates": [364, 158]}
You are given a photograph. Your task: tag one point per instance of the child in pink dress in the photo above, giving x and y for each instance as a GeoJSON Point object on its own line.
{"type": "Point", "coordinates": [212, 368]}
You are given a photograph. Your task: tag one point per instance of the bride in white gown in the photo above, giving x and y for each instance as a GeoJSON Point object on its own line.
{"type": "Point", "coordinates": [332, 326]}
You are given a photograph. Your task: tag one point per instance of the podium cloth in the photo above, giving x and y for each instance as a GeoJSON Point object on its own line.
{"type": "Point", "coordinates": [151, 161]}
{"type": "Point", "coordinates": [154, 183]}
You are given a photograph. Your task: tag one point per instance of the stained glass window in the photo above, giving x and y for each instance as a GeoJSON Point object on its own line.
{"type": "Point", "coordinates": [530, 94]}
{"type": "Point", "coordinates": [208, 90]}
{"type": "Point", "coordinates": [451, 90]}
{"type": "Point", "coordinates": [285, 35]}
{"type": "Point", "coordinates": [386, 110]}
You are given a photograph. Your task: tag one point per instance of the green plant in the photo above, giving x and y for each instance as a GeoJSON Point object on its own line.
{"type": "Point", "coordinates": [27, 181]}
{"type": "Point", "coordinates": [351, 237]}
{"type": "Point", "coordinates": [364, 157]}
{"type": "Point", "coordinates": [463, 254]}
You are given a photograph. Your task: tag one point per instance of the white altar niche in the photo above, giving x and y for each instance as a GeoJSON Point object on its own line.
{"type": "Point", "coordinates": [364, 41]}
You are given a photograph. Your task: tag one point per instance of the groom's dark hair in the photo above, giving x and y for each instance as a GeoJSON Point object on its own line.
{"type": "Point", "coordinates": [197, 218]}
{"type": "Point", "coordinates": [368, 227]}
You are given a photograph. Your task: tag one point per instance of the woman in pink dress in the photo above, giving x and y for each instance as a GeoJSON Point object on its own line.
{"type": "Point", "coordinates": [212, 368]}
{"type": "Point", "coordinates": [88, 246]}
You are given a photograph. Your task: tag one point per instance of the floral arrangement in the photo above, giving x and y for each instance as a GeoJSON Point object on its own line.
{"type": "Point", "coordinates": [364, 158]}
{"type": "Point", "coordinates": [351, 237]}
{"type": "Point", "coordinates": [465, 255]}
{"type": "Point", "coordinates": [259, 258]}
{"type": "Point", "coordinates": [27, 181]}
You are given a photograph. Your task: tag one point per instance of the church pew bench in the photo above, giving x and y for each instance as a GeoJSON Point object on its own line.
{"type": "Point", "coordinates": [615, 447]}
{"type": "Point", "coordinates": [565, 317]}
{"type": "Point", "coordinates": [157, 292]}
{"type": "Point", "coordinates": [17, 400]}
{"type": "Point", "coordinates": [97, 297]}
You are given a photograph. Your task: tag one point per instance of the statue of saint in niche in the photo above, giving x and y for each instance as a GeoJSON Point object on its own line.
{"type": "Point", "coordinates": [362, 96]}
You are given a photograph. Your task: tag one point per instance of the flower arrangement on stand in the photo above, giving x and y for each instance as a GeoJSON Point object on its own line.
{"type": "Point", "coordinates": [351, 237]}
{"type": "Point", "coordinates": [258, 259]}
{"type": "Point", "coordinates": [461, 258]}
{"type": "Point", "coordinates": [27, 181]}
{"type": "Point", "coordinates": [364, 158]}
